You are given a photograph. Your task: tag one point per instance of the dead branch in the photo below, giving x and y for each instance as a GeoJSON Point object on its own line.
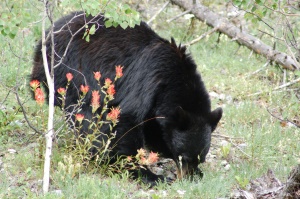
{"type": "Point", "coordinates": [158, 12]}
{"type": "Point", "coordinates": [202, 36]}
{"type": "Point", "coordinates": [25, 114]}
{"type": "Point", "coordinates": [226, 27]}
{"type": "Point", "coordinates": [181, 14]}
{"type": "Point", "coordinates": [282, 120]}
{"type": "Point", "coordinates": [287, 84]}
{"type": "Point", "coordinates": [260, 69]}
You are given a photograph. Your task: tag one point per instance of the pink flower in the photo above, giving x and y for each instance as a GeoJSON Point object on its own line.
{"type": "Point", "coordinates": [111, 90]}
{"type": "Point", "coordinates": [113, 115]}
{"type": "Point", "coordinates": [152, 158]}
{"type": "Point", "coordinates": [119, 71]}
{"type": "Point", "coordinates": [97, 75]}
{"type": "Point", "coordinates": [69, 76]}
{"type": "Point", "coordinates": [129, 158]}
{"type": "Point", "coordinates": [95, 101]}
{"type": "Point", "coordinates": [39, 96]}
{"type": "Point", "coordinates": [84, 89]}
{"type": "Point", "coordinates": [79, 117]}
{"type": "Point", "coordinates": [61, 91]}
{"type": "Point", "coordinates": [34, 84]}
{"type": "Point", "coordinates": [107, 82]}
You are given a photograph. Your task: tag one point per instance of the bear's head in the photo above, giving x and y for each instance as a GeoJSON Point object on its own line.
{"type": "Point", "coordinates": [189, 139]}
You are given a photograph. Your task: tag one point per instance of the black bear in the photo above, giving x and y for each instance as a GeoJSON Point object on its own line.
{"type": "Point", "coordinates": [159, 81]}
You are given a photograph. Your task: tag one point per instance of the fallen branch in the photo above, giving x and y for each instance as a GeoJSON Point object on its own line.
{"type": "Point", "coordinates": [260, 69]}
{"type": "Point", "coordinates": [288, 84]}
{"type": "Point", "coordinates": [181, 14]}
{"type": "Point", "coordinates": [226, 27]}
{"type": "Point", "coordinates": [156, 14]}
{"type": "Point", "coordinates": [283, 120]}
{"type": "Point", "coordinates": [202, 36]}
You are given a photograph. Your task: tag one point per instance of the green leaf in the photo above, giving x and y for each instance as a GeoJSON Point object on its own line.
{"type": "Point", "coordinates": [92, 30]}
{"type": "Point", "coordinates": [115, 24]}
{"type": "Point", "coordinates": [128, 11]}
{"type": "Point", "coordinates": [87, 38]}
{"type": "Point", "coordinates": [12, 35]}
{"type": "Point", "coordinates": [108, 23]}
{"type": "Point", "coordinates": [124, 24]}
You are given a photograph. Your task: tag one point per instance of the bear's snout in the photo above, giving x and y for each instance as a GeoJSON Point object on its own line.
{"type": "Point", "coordinates": [188, 170]}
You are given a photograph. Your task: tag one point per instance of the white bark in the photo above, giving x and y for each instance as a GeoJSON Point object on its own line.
{"type": "Point", "coordinates": [50, 129]}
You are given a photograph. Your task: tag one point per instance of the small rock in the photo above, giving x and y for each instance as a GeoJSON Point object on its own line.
{"type": "Point", "coordinates": [57, 192]}
{"type": "Point", "coordinates": [181, 192]}
{"type": "Point", "coordinates": [224, 143]}
{"type": "Point", "coordinates": [11, 150]}
{"type": "Point", "coordinates": [224, 163]}
{"type": "Point", "coordinates": [158, 170]}
{"type": "Point", "coordinates": [227, 167]}
{"type": "Point", "coordinates": [242, 146]}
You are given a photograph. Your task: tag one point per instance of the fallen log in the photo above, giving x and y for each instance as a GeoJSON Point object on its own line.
{"type": "Point", "coordinates": [226, 27]}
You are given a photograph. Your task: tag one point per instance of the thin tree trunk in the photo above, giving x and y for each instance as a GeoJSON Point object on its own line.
{"type": "Point", "coordinates": [50, 82]}
{"type": "Point", "coordinates": [224, 26]}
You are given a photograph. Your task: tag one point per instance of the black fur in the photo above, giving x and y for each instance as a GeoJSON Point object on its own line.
{"type": "Point", "coordinates": [160, 80]}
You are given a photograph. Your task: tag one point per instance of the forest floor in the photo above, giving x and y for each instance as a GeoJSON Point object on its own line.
{"type": "Point", "coordinates": [255, 150]}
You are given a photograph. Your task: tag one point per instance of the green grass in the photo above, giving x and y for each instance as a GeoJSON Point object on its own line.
{"type": "Point", "coordinates": [267, 143]}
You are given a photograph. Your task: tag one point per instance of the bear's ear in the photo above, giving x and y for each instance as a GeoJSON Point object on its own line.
{"type": "Point", "coordinates": [180, 50]}
{"type": "Point", "coordinates": [215, 117]}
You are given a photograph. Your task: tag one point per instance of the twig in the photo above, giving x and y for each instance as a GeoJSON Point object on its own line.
{"type": "Point", "coordinates": [282, 12]}
{"type": "Point", "coordinates": [254, 14]}
{"type": "Point", "coordinates": [258, 70]}
{"type": "Point", "coordinates": [24, 113]}
{"type": "Point", "coordinates": [225, 136]}
{"type": "Point", "coordinates": [239, 148]}
{"type": "Point", "coordinates": [202, 36]}
{"type": "Point", "coordinates": [5, 98]}
{"type": "Point", "coordinates": [287, 84]}
{"type": "Point", "coordinates": [282, 120]}
{"type": "Point", "coordinates": [158, 12]}
{"type": "Point", "coordinates": [159, 117]}
{"type": "Point", "coordinates": [291, 52]}
{"type": "Point", "coordinates": [273, 36]}
{"type": "Point", "coordinates": [277, 88]}
{"type": "Point", "coordinates": [181, 14]}
{"type": "Point", "coordinates": [230, 140]}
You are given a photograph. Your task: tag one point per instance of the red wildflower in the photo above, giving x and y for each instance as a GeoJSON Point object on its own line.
{"type": "Point", "coordinates": [111, 90]}
{"type": "Point", "coordinates": [152, 158]}
{"type": "Point", "coordinates": [119, 71]}
{"type": "Point", "coordinates": [113, 115]}
{"type": "Point", "coordinates": [34, 84]}
{"type": "Point", "coordinates": [61, 91]}
{"type": "Point", "coordinates": [97, 75]}
{"type": "Point", "coordinates": [95, 101]}
{"type": "Point", "coordinates": [107, 82]}
{"type": "Point", "coordinates": [129, 158]}
{"type": "Point", "coordinates": [79, 117]}
{"type": "Point", "coordinates": [39, 96]}
{"type": "Point", "coordinates": [84, 89]}
{"type": "Point", "coordinates": [69, 76]}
